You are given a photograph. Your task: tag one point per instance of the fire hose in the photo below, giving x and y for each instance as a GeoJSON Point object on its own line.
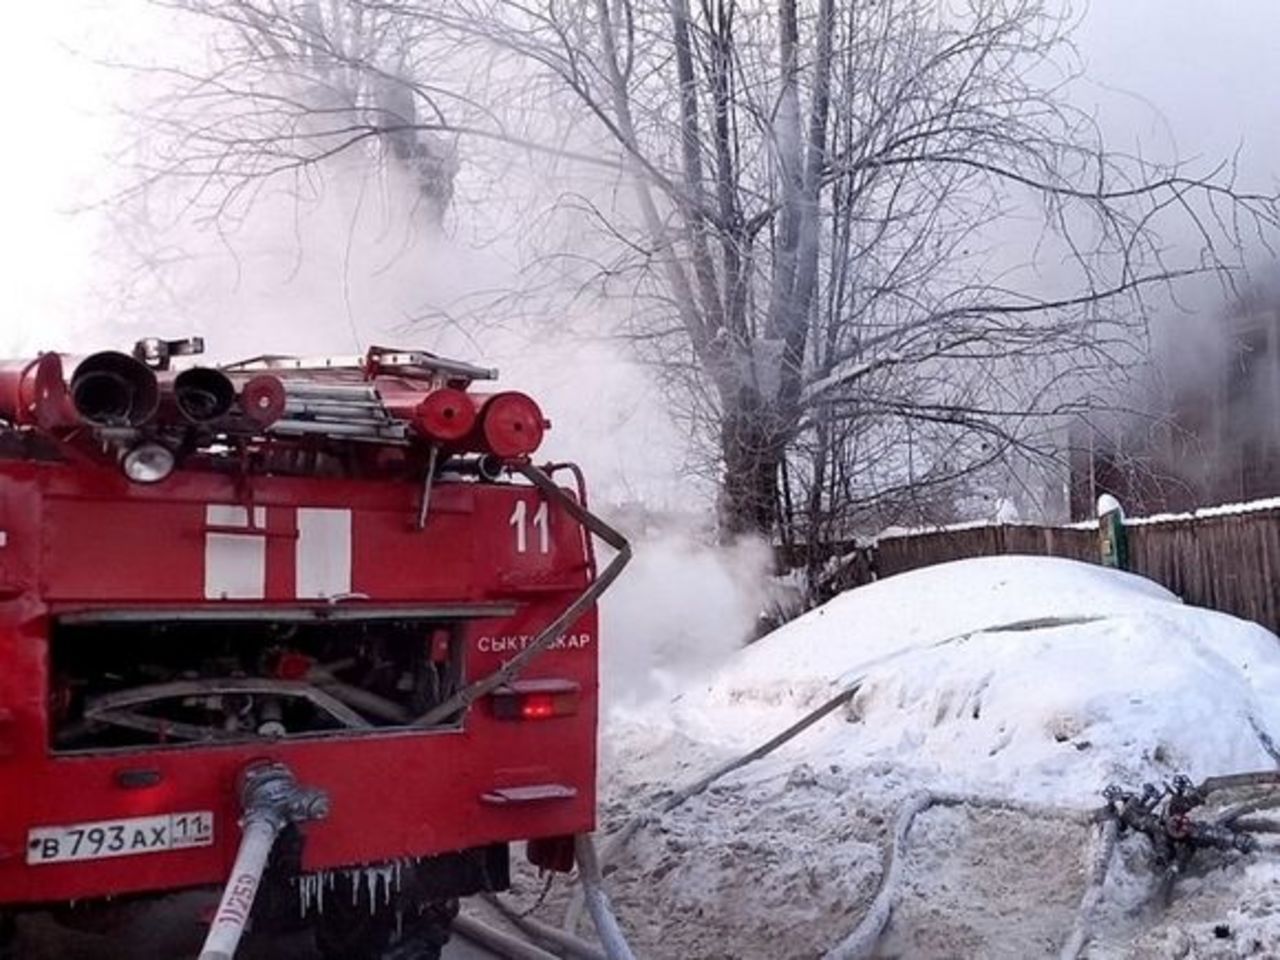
{"type": "Point", "coordinates": [552, 631]}
{"type": "Point", "coordinates": [1153, 812]}
{"type": "Point", "coordinates": [271, 800]}
{"type": "Point", "coordinates": [618, 841]}
{"type": "Point", "coordinates": [613, 945]}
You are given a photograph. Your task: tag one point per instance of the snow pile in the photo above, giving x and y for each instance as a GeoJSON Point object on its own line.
{"type": "Point", "coordinates": [1024, 676]}
{"type": "Point", "coordinates": [1004, 677]}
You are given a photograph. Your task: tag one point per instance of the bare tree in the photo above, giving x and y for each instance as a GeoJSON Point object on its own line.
{"type": "Point", "coordinates": [872, 248]}
{"type": "Point", "coordinates": [290, 87]}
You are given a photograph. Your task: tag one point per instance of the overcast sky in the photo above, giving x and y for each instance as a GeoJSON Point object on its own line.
{"type": "Point", "coordinates": [1198, 74]}
{"type": "Point", "coordinates": [1207, 67]}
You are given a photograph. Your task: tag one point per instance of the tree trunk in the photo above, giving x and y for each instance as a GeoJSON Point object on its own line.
{"type": "Point", "coordinates": [752, 449]}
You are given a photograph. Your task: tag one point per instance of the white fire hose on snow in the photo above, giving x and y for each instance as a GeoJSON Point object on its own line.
{"type": "Point", "coordinates": [271, 799]}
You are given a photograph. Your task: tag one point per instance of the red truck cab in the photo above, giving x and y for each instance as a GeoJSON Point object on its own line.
{"type": "Point", "coordinates": [347, 568]}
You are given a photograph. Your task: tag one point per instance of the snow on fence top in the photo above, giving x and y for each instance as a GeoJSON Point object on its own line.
{"type": "Point", "coordinates": [1220, 510]}
{"type": "Point", "coordinates": [1224, 557]}
{"type": "Point", "coordinates": [902, 533]}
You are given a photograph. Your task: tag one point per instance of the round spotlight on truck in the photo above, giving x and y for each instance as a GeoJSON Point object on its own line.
{"type": "Point", "coordinates": [512, 424]}
{"type": "Point", "coordinates": [148, 462]}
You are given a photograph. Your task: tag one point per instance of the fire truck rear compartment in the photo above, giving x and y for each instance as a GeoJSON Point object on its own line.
{"type": "Point", "coordinates": [148, 681]}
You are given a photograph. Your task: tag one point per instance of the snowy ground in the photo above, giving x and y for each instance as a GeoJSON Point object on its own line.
{"type": "Point", "coordinates": [1029, 678]}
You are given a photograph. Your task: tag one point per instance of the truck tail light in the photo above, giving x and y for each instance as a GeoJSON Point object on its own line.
{"type": "Point", "coordinates": [512, 424]}
{"type": "Point", "coordinates": [536, 700]}
{"type": "Point", "coordinates": [445, 415]}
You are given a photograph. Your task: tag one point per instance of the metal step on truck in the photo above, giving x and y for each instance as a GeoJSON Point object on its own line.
{"type": "Point", "coordinates": [314, 632]}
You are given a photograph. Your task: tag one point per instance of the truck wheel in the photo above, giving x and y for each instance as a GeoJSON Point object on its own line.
{"type": "Point", "coordinates": [8, 938]}
{"type": "Point", "coordinates": [353, 934]}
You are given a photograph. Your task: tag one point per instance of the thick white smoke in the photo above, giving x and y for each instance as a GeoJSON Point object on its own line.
{"type": "Point", "coordinates": [348, 266]}
{"type": "Point", "coordinates": [680, 610]}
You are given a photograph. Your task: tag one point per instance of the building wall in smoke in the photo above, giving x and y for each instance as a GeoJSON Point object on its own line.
{"type": "Point", "coordinates": [1216, 437]}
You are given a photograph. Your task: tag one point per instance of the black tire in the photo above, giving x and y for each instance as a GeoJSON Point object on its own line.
{"type": "Point", "coordinates": [8, 937]}
{"type": "Point", "coordinates": [350, 933]}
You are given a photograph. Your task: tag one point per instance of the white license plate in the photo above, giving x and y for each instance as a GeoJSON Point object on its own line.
{"type": "Point", "coordinates": [119, 838]}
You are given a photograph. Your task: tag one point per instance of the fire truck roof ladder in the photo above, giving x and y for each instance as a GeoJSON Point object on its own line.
{"type": "Point", "coordinates": [389, 360]}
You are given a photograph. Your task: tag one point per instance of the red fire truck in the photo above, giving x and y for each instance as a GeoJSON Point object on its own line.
{"type": "Point", "coordinates": [317, 632]}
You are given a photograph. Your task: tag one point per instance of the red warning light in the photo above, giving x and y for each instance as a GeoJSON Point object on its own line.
{"type": "Point", "coordinates": [536, 700]}
{"type": "Point", "coordinates": [538, 706]}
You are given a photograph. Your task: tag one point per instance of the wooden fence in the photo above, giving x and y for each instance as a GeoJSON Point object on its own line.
{"type": "Point", "coordinates": [1224, 560]}
{"type": "Point", "coordinates": [899, 554]}
{"type": "Point", "coordinates": [1229, 562]}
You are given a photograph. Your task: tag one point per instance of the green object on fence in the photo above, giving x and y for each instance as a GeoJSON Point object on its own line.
{"type": "Point", "coordinates": [1112, 538]}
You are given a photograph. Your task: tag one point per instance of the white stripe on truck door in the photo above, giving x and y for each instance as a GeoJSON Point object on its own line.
{"type": "Point", "coordinates": [324, 553]}
{"type": "Point", "coordinates": [235, 565]}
